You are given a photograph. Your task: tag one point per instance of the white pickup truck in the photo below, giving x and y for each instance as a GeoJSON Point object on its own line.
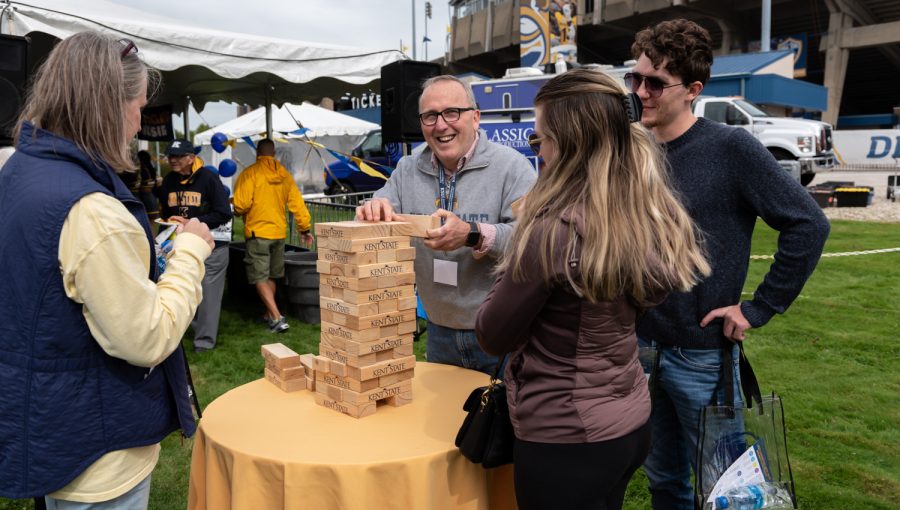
{"type": "Point", "coordinates": [808, 142]}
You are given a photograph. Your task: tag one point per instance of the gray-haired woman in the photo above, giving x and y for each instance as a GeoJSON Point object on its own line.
{"type": "Point", "coordinates": [91, 368]}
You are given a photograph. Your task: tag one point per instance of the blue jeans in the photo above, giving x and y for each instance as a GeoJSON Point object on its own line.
{"type": "Point", "coordinates": [136, 499]}
{"type": "Point", "coordinates": [685, 381]}
{"type": "Point", "coordinates": [457, 347]}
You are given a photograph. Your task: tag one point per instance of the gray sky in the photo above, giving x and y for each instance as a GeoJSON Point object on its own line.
{"type": "Point", "coordinates": [371, 24]}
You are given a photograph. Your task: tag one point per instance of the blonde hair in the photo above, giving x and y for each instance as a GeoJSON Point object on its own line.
{"type": "Point", "coordinates": [80, 93]}
{"type": "Point", "coordinates": [637, 236]}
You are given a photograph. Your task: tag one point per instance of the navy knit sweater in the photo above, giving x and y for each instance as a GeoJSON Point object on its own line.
{"type": "Point", "coordinates": [727, 179]}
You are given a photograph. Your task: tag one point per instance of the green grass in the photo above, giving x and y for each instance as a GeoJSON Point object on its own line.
{"type": "Point", "coordinates": [833, 358]}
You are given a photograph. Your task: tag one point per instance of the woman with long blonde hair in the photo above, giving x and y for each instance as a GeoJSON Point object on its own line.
{"type": "Point", "coordinates": [600, 238]}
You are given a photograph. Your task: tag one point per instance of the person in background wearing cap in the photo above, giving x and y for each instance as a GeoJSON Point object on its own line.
{"type": "Point", "coordinates": [260, 195]}
{"type": "Point", "coordinates": [192, 191]}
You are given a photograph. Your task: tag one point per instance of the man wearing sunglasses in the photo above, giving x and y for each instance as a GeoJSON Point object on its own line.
{"type": "Point", "coordinates": [727, 180]}
{"type": "Point", "coordinates": [470, 183]}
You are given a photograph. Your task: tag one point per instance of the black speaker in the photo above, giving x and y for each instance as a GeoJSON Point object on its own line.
{"type": "Point", "coordinates": [13, 76]}
{"type": "Point", "coordinates": [401, 86]}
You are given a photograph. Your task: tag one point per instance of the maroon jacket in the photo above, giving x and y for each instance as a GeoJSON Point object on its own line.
{"type": "Point", "coordinates": [573, 374]}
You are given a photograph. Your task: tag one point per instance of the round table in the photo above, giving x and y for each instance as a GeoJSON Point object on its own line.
{"type": "Point", "coordinates": [258, 447]}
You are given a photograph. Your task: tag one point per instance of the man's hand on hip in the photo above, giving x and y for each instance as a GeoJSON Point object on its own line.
{"type": "Point", "coordinates": [734, 324]}
{"type": "Point", "coordinates": [450, 236]}
{"type": "Point", "coordinates": [375, 209]}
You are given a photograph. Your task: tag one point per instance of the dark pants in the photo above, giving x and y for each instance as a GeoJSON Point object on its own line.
{"type": "Point", "coordinates": [578, 476]}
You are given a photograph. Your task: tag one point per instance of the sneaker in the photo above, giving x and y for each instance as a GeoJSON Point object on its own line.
{"type": "Point", "coordinates": [202, 348]}
{"type": "Point", "coordinates": [279, 326]}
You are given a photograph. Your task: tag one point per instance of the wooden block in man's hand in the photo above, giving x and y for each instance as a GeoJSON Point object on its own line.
{"type": "Point", "coordinates": [414, 225]}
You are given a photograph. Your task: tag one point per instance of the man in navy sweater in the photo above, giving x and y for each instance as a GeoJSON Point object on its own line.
{"type": "Point", "coordinates": [727, 180]}
{"type": "Point", "coordinates": [191, 191]}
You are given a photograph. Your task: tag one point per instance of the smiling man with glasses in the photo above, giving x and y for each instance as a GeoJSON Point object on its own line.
{"type": "Point", "coordinates": [470, 183]}
{"type": "Point", "coordinates": [726, 180]}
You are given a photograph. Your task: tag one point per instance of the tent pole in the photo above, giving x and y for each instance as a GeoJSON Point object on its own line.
{"type": "Point", "coordinates": [269, 112]}
{"type": "Point", "coordinates": [187, 123]}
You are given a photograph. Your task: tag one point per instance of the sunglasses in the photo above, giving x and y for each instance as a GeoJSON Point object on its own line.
{"type": "Point", "coordinates": [449, 115]}
{"type": "Point", "coordinates": [654, 86]}
{"type": "Point", "coordinates": [534, 141]}
{"type": "Point", "coordinates": [128, 47]}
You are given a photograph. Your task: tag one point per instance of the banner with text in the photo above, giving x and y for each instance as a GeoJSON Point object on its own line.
{"type": "Point", "coordinates": [156, 124]}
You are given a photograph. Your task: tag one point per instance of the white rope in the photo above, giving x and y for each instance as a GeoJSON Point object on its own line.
{"type": "Point", "coordinates": [841, 254]}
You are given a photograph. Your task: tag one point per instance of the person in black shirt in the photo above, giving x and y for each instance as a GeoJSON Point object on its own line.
{"type": "Point", "coordinates": [191, 191]}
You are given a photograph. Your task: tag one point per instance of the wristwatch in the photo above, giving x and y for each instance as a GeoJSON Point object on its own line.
{"type": "Point", "coordinates": [474, 236]}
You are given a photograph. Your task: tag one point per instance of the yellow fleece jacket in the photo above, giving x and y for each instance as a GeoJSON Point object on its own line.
{"type": "Point", "coordinates": [260, 195]}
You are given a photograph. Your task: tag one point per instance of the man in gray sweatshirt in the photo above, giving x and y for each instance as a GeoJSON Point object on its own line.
{"type": "Point", "coordinates": [470, 183]}
{"type": "Point", "coordinates": [726, 180]}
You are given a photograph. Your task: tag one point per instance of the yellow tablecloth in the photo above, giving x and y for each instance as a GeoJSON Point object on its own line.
{"type": "Point", "coordinates": [261, 448]}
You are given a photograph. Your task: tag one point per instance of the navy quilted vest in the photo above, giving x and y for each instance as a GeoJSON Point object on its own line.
{"type": "Point", "coordinates": [63, 401]}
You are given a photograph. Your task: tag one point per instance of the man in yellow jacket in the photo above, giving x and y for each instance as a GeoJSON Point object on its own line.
{"type": "Point", "coordinates": [260, 196]}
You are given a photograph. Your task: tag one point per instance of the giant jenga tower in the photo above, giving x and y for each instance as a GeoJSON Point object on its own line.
{"type": "Point", "coordinates": [368, 307]}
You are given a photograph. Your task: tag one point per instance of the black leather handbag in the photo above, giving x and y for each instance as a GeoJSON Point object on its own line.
{"type": "Point", "coordinates": [486, 436]}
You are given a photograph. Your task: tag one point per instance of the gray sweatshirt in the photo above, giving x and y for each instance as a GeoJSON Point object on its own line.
{"type": "Point", "coordinates": [493, 178]}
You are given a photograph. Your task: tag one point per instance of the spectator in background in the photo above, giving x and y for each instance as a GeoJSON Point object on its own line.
{"type": "Point", "coordinates": [92, 371]}
{"type": "Point", "coordinates": [470, 183]}
{"type": "Point", "coordinates": [191, 191]}
{"type": "Point", "coordinates": [600, 239]}
{"type": "Point", "coordinates": [726, 180]}
{"type": "Point", "coordinates": [260, 195]}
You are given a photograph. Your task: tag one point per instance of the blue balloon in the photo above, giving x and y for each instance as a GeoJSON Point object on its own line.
{"type": "Point", "coordinates": [218, 142]}
{"type": "Point", "coordinates": [227, 190]}
{"type": "Point", "coordinates": [227, 167]}
{"type": "Point", "coordinates": [212, 169]}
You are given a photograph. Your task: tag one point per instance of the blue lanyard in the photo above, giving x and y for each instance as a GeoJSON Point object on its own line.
{"type": "Point", "coordinates": [446, 195]}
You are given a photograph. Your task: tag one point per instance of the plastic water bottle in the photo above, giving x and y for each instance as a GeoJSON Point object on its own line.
{"type": "Point", "coordinates": [754, 497]}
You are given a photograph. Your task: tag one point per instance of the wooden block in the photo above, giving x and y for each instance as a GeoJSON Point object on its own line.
{"type": "Point", "coordinates": [310, 383]}
{"type": "Point", "coordinates": [361, 348]}
{"type": "Point", "coordinates": [325, 365]}
{"type": "Point", "coordinates": [287, 374]}
{"type": "Point", "coordinates": [381, 369]}
{"type": "Point", "coordinates": [396, 280]}
{"type": "Point", "coordinates": [364, 271]}
{"type": "Point", "coordinates": [292, 385]}
{"type": "Point", "coordinates": [367, 245]}
{"type": "Point", "coordinates": [406, 327]}
{"type": "Point", "coordinates": [356, 411]}
{"type": "Point", "coordinates": [387, 380]}
{"type": "Point", "coordinates": [308, 362]}
{"type": "Point", "coordinates": [348, 383]}
{"type": "Point", "coordinates": [351, 360]}
{"type": "Point", "coordinates": [407, 303]}
{"type": "Point", "coordinates": [350, 258]}
{"type": "Point", "coordinates": [400, 399]}
{"type": "Point", "coordinates": [406, 254]}
{"type": "Point", "coordinates": [402, 351]}
{"type": "Point", "coordinates": [337, 333]}
{"type": "Point", "coordinates": [280, 356]}
{"type": "Point", "coordinates": [373, 296]}
{"type": "Point", "coordinates": [415, 225]}
{"type": "Point", "coordinates": [336, 305]}
{"type": "Point", "coordinates": [353, 229]}
{"type": "Point", "coordinates": [349, 396]}
{"type": "Point", "coordinates": [355, 284]}
{"type": "Point", "coordinates": [370, 321]}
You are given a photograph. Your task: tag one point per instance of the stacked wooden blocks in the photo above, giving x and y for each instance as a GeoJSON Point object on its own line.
{"type": "Point", "coordinates": [287, 369]}
{"type": "Point", "coordinates": [368, 306]}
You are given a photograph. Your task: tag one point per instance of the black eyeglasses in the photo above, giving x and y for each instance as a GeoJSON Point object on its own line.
{"type": "Point", "coordinates": [534, 141]}
{"type": "Point", "coordinates": [449, 115]}
{"type": "Point", "coordinates": [654, 86]}
{"type": "Point", "coordinates": [128, 47]}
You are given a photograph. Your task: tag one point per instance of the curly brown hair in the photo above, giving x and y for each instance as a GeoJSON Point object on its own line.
{"type": "Point", "coordinates": [686, 44]}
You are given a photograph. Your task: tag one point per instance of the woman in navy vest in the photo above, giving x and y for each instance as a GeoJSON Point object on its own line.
{"type": "Point", "coordinates": [91, 366]}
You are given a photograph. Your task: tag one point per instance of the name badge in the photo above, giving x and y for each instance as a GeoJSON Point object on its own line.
{"type": "Point", "coordinates": [445, 272]}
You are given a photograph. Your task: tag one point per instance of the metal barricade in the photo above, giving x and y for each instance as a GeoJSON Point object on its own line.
{"type": "Point", "coordinates": [328, 208]}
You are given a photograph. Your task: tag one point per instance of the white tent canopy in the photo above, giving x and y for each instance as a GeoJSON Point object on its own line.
{"type": "Point", "coordinates": [204, 64]}
{"type": "Point", "coordinates": [334, 130]}
{"type": "Point", "coordinates": [288, 118]}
